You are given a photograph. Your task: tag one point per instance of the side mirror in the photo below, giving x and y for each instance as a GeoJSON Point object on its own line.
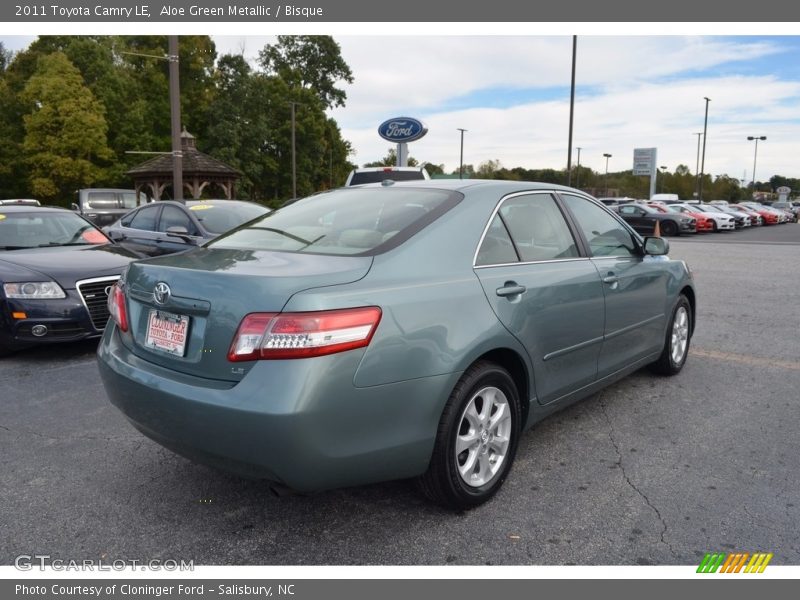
{"type": "Point", "coordinates": [75, 207]}
{"type": "Point", "coordinates": [179, 231]}
{"type": "Point", "coordinates": [656, 246]}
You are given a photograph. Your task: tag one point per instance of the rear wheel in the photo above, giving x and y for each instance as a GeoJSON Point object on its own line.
{"type": "Point", "coordinates": [676, 344]}
{"type": "Point", "coordinates": [477, 439]}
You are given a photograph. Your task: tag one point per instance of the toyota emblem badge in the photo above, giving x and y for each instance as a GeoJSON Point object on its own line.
{"type": "Point", "coordinates": [161, 293]}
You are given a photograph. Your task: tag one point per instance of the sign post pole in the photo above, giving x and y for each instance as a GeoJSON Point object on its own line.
{"type": "Point", "coordinates": [644, 163]}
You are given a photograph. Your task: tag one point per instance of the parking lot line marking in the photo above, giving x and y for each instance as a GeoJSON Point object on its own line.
{"type": "Point", "coordinates": [746, 359]}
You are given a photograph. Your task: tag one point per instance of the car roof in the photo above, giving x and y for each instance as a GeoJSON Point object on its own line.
{"type": "Point", "coordinates": [460, 185]}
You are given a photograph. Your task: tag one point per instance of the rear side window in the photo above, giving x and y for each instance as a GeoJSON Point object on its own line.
{"type": "Point", "coordinates": [98, 200]}
{"type": "Point", "coordinates": [346, 221]}
{"type": "Point", "coordinates": [497, 247]}
{"type": "Point", "coordinates": [128, 199]}
{"type": "Point", "coordinates": [538, 228]}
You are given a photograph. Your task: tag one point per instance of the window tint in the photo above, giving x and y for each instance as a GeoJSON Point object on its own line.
{"type": "Point", "coordinates": [145, 219]}
{"type": "Point", "coordinates": [630, 210]}
{"type": "Point", "coordinates": [172, 216]}
{"type": "Point", "coordinates": [606, 235]}
{"type": "Point", "coordinates": [225, 215]}
{"type": "Point", "coordinates": [344, 221]}
{"type": "Point", "coordinates": [497, 247]}
{"type": "Point", "coordinates": [100, 200]}
{"type": "Point", "coordinates": [128, 199]}
{"type": "Point", "coordinates": [538, 228]}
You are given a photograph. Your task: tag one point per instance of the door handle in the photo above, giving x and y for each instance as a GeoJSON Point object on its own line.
{"type": "Point", "coordinates": [611, 279]}
{"type": "Point", "coordinates": [510, 288]}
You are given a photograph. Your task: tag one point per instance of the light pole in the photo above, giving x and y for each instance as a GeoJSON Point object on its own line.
{"type": "Point", "coordinates": [697, 167]}
{"type": "Point", "coordinates": [578, 169]}
{"type": "Point", "coordinates": [461, 160]}
{"type": "Point", "coordinates": [703, 163]}
{"type": "Point", "coordinates": [571, 111]}
{"type": "Point", "coordinates": [607, 157]}
{"type": "Point", "coordinates": [173, 58]}
{"type": "Point", "coordinates": [755, 155]}
{"type": "Point", "coordinates": [294, 152]}
{"type": "Point", "coordinates": [663, 168]}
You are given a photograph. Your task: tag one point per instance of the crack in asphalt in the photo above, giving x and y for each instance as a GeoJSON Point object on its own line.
{"type": "Point", "coordinates": [625, 476]}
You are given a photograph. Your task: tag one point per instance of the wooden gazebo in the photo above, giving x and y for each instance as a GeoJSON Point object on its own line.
{"type": "Point", "coordinates": [199, 171]}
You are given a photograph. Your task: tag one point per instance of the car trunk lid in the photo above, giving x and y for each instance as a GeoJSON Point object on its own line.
{"type": "Point", "coordinates": [203, 295]}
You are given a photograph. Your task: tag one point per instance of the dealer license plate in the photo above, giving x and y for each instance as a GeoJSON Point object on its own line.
{"type": "Point", "coordinates": [167, 332]}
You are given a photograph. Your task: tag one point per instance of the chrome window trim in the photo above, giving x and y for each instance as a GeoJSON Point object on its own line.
{"type": "Point", "coordinates": [533, 262]}
{"type": "Point", "coordinates": [550, 193]}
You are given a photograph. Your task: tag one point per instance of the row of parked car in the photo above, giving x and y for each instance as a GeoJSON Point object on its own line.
{"type": "Point", "coordinates": [675, 217]}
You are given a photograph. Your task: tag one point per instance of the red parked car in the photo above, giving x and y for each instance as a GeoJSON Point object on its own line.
{"type": "Point", "coordinates": [703, 223]}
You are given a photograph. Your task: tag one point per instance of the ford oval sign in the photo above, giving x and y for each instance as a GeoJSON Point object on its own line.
{"type": "Point", "coordinates": [402, 129]}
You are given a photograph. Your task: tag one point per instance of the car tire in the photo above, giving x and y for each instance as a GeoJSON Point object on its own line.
{"type": "Point", "coordinates": [678, 337]}
{"type": "Point", "coordinates": [668, 228]}
{"type": "Point", "coordinates": [476, 440]}
{"type": "Point", "coordinates": [714, 227]}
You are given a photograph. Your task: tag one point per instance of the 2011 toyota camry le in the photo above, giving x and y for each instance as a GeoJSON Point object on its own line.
{"type": "Point", "coordinates": [397, 330]}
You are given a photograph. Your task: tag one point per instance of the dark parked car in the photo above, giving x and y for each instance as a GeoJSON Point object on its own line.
{"type": "Point", "coordinates": [643, 219]}
{"type": "Point", "coordinates": [167, 227]}
{"type": "Point", "coordinates": [392, 331]}
{"type": "Point", "coordinates": [56, 270]}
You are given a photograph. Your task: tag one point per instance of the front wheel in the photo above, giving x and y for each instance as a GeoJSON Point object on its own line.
{"type": "Point", "coordinates": [668, 228]}
{"type": "Point", "coordinates": [676, 344]}
{"type": "Point", "coordinates": [477, 439]}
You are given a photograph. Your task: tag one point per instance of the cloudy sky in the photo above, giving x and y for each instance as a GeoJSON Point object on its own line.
{"type": "Point", "coordinates": [511, 92]}
{"type": "Point", "coordinates": [512, 95]}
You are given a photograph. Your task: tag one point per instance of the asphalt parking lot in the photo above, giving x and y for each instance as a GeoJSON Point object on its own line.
{"type": "Point", "coordinates": [650, 471]}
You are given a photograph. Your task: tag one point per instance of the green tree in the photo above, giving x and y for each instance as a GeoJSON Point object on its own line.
{"type": "Point", "coordinates": [65, 130]}
{"type": "Point", "coordinates": [312, 62]}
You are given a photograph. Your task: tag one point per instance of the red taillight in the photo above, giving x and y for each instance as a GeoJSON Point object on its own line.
{"type": "Point", "coordinates": [116, 306]}
{"type": "Point", "coordinates": [303, 334]}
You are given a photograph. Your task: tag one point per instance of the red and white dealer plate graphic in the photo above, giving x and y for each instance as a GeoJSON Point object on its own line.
{"type": "Point", "coordinates": [167, 332]}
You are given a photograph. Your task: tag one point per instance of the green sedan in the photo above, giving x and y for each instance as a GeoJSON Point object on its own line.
{"type": "Point", "coordinates": [399, 330]}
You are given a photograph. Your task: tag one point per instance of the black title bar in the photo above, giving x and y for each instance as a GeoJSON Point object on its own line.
{"type": "Point", "coordinates": [364, 11]}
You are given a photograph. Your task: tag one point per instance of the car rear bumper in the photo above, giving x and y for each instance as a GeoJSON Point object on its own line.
{"type": "Point", "coordinates": [301, 423]}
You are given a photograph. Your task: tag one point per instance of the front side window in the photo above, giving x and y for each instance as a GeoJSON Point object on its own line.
{"type": "Point", "coordinates": [172, 216]}
{"type": "Point", "coordinates": [145, 219]}
{"type": "Point", "coordinates": [606, 236]}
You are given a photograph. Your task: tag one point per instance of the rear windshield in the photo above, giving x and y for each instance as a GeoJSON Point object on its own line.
{"type": "Point", "coordinates": [347, 221]}
{"type": "Point", "coordinates": [378, 176]}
